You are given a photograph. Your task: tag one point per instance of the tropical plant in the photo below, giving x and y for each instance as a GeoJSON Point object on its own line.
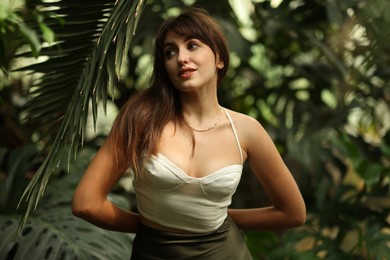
{"type": "Point", "coordinates": [324, 97]}
{"type": "Point", "coordinates": [95, 63]}
{"type": "Point", "coordinates": [314, 73]}
{"type": "Point", "coordinates": [53, 232]}
{"type": "Point", "coordinates": [17, 25]}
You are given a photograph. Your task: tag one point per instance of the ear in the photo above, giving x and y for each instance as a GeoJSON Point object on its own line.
{"type": "Point", "coordinates": [220, 64]}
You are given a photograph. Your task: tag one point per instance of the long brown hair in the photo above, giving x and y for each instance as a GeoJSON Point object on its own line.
{"type": "Point", "coordinates": [138, 127]}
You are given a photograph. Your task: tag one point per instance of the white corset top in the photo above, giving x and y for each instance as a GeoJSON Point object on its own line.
{"type": "Point", "coordinates": [168, 196]}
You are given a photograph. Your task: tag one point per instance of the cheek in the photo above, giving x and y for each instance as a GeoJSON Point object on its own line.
{"type": "Point", "coordinates": [168, 66]}
{"type": "Point", "coordinates": [170, 70]}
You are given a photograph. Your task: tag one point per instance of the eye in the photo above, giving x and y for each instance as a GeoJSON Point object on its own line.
{"type": "Point", "coordinates": [193, 46]}
{"type": "Point", "coordinates": [169, 52]}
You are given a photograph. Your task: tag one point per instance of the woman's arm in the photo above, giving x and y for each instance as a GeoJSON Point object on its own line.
{"type": "Point", "coordinates": [288, 208]}
{"type": "Point", "coordinates": [90, 198]}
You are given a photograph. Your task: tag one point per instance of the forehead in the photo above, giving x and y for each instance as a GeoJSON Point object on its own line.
{"type": "Point", "coordinates": [173, 37]}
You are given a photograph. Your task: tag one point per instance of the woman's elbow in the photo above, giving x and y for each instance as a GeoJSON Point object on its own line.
{"type": "Point", "coordinates": [77, 210]}
{"type": "Point", "coordinates": [81, 209]}
{"type": "Point", "coordinates": [298, 217]}
{"type": "Point", "coordinates": [299, 220]}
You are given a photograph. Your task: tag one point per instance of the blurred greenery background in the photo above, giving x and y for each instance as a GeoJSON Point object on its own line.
{"type": "Point", "coordinates": [314, 73]}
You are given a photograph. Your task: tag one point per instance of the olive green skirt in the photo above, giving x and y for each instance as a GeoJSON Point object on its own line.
{"type": "Point", "coordinates": [227, 242]}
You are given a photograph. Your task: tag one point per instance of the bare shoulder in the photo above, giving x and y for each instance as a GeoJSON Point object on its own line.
{"type": "Point", "coordinates": [245, 125]}
{"type": "Point", "coordinates": [249, 130]}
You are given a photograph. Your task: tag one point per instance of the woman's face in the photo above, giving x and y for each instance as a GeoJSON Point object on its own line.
{"type": "Point", "coordinates": [190, 63]}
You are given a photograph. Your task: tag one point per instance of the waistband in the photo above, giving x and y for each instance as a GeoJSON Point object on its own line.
{"type": "Point", "coordinates": [226, 242]}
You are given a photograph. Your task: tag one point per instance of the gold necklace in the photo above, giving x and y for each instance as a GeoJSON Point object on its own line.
{"type": "Point", "coordinates": [209, 128]}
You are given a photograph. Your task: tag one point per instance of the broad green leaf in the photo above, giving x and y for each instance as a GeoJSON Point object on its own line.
{"type": "Point", "coordinates": [370, 172]}
{"type": "Point", "coordinates": [47, 33]}
{"type": "Point", "coordinates": [54, 233]}
{"type": "Point", "coordinates": [32, 38]}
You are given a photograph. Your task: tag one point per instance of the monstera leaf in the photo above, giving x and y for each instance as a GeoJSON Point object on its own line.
{"type": "Point", "coordinates": [52, 232]}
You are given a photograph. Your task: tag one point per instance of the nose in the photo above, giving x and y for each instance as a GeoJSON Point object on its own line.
{"type": "Point", "coordinates": [183, 56]}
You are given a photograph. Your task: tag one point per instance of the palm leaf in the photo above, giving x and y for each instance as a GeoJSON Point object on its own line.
{"type": "Point", "coordinates": [92, 35]}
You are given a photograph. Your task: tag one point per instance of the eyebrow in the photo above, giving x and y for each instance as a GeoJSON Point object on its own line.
{"type": "Point", "coordinates": [168, 44]}
{"type": "Point", "coordinates": [187, 38]}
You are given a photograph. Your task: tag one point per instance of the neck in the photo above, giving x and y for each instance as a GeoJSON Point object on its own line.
{"type": "Point", "coordinates": [200, 107]}
{"type": "Point", "coordinates": [201, 102]}
{"type": "Point", "coordinates": [202, 117]}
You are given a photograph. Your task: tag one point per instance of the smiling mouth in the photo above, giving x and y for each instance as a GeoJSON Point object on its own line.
{"type": "Point", "coordinates": [186, 72]}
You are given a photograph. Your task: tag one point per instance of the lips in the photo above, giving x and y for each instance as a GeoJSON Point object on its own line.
{"type": "Point", "coordinates": [186, 72]}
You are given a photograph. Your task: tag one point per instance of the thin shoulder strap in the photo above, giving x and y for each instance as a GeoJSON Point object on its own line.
{"type": "Point", "coordinates": [235, 134]}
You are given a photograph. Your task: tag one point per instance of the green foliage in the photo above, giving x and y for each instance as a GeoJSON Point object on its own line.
{"type": "Point", "coordinates": [98, 68]}
{"type": "Point", "coordinates": [314, 73]}
{"type": "Point", "coordinates": [15, 165]}
{"type": "Point", "coordinates": [19, 26]}
{"type": "Point", "coordinates": [318, 83]}
{"type": "Point", "coordinates": [52, 232]}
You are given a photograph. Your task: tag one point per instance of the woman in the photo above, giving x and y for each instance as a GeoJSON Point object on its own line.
{"type": "Point", "coordinates": [187, 154]}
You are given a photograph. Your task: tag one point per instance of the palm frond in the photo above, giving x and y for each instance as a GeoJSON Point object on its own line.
{"type": "Point", "coordinates": [92, 47]}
